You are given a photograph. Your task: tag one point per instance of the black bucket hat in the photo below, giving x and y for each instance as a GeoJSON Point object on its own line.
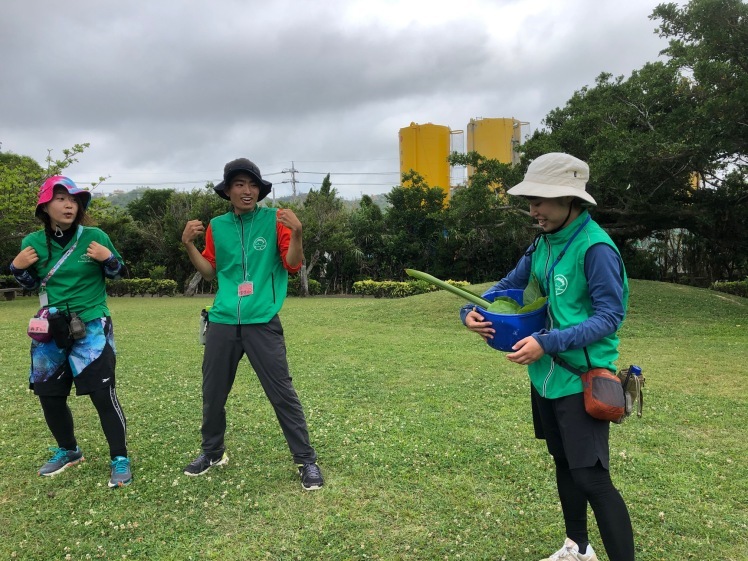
{"type": "Point", "coordinates": [242, 165]}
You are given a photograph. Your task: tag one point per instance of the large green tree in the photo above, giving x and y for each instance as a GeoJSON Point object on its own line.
{"type": "Point", "coordinates": [485, 235]}
{"type": "Point", "coordinates": [160, 216]}
{"type": "Point", "coordinates": [367, 230]}
{"type": "Point", "coordinates": [327, 237]}
{"type": "Point", "coordinates": [667, 146]}
{"type": "Point", "coordinates": [414, 226]}
{"type": "Point", "coordinates": [708, 43]}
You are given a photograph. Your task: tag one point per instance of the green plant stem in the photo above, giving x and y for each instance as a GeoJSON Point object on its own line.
{"type": "Point", "coordinates": [466, 294]}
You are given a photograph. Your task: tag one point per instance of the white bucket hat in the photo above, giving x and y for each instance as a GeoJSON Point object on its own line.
{"type": "Point", "coordinates": [555, 175]}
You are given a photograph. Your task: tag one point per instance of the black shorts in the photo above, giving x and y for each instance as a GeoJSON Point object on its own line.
{"type": "Point", "coordinates": [569, 432]}
{"type": "Point", "coordinates": [99, 374]}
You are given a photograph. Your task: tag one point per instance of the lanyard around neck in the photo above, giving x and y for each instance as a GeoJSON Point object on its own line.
{"type": "Point", "coordinates": [563, 252]}
{"type": "Point", "coordinates": [62, 259]}
{"type": "Point", "coordinates": [245, 250]}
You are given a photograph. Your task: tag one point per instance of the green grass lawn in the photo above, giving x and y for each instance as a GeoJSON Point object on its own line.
{"type": "Point", "coordinates": [423, 433]}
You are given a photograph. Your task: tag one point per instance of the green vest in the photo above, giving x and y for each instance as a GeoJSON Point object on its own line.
{"type": "Point", "coordinates": [246, 250]}
{"type": "Point", "coordinates": [569, 305]}
{"type": "Point", "coordinates": [79, 283]}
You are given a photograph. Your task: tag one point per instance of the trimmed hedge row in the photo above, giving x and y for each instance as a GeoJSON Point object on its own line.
{"type": "Point", "coordinates": [141, 287]}
{"type": "Point", "coordinates": [397, 289]}
{"type": "Point", "coordinates": [738, 288]}
{"type": "Point", "coordinates": [122, 287]}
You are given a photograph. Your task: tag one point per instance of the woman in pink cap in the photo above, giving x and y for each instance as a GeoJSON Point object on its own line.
{"type": "Point", "coordinates": [68, 263]}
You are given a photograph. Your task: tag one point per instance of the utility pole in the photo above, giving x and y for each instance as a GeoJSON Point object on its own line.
{"type": "Point", "coordinates": [292, 171]}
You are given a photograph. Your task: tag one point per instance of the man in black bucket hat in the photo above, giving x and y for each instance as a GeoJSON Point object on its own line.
{"type": "Point", "coordinates": [250, 250]}
{"type": "Point", "coordinates": [243, 165]}
{"type": "Point", "coordinates": [580, 270]}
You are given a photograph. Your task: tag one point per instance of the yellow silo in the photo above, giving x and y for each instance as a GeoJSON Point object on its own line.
{"type": "Point", "coordinates": [495, 139]}
{"type": "Point", "coordinates": [425, 149]}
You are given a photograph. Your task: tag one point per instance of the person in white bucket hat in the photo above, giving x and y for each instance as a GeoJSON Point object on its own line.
{"type": "Point", "coordinates": [580, 270]}
{"type": "Point", "coordinates": [555, 175]}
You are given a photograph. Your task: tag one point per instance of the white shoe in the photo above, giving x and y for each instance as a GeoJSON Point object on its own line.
{"type": "Point", "coordinates": [570, 552]}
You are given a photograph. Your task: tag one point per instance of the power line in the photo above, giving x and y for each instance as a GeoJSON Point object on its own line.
{"type": "Point", "coordinates": [292, 170]}
{"type": "Point", "coordinates": [350, 172]}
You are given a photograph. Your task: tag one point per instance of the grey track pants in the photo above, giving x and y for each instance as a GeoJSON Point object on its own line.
{"type": "Point", "coordinates": [264, 345]}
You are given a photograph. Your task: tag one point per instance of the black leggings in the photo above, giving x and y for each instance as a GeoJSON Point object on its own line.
{"type": "Point", "coordinates": [60, 420]}
{"type": "Point", "coordinates": [577, 487]}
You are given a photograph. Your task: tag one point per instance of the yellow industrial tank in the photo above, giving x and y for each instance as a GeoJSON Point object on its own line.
{"type": "Point", "coordinates": [425, 149]}
{"type": "Point", "coordinates": [494, 138]}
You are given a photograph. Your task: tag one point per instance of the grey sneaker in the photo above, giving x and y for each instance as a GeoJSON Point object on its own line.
{"type": "Point", "coordinates": [204, 462]}
{"type": "Point", "coordinates": [311, 477]}
{"type": "Point", "coordinates": [60, 460]}
{"type": "Point", "coordinates": [121, 473]}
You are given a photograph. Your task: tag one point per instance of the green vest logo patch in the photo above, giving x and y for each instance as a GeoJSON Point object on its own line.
{"type": "Point", "coordinates": [561, 284]}
{"type": "Point", "coordinates": [260, 244]}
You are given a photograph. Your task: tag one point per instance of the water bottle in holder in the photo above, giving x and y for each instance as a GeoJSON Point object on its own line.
{"type": "Point", "coordinates": [77, 327]}
{"type": "Point", "coordinates": [632, 381]}
{"type": "Point", "coordinates": [204, 322]}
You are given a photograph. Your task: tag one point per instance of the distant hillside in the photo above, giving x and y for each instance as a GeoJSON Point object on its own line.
{"type": "Point", "coordinates": [122, 199]}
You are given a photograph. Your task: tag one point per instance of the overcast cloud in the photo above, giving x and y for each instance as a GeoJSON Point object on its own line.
{"type": "Point", "coordinates": [166, 92]}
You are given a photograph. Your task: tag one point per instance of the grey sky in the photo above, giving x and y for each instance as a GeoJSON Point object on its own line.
{"type": "Point", "coordinates": [166, 92]}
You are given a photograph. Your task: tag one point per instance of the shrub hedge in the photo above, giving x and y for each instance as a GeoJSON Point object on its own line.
{"type": "Point", "coordinates": [294, 286]}
{"type": "Point", "coordinates": [738, 288]}
{"type": "Point", "coordinates": [397, 289]}
{"type": "Point", "coordinates": [141, 287]}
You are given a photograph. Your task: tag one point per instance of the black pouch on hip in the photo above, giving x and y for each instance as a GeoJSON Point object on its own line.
{"type": "Point", "coordinates": [59, 327]}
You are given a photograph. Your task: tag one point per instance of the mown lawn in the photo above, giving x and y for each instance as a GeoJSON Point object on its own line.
{"type": "Point", "coordinates": [423, 433]}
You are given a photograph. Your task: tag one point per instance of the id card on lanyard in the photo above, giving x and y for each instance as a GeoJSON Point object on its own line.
{"type": "Point", "coordinates": [43, 298]}
{"type": "Point", "coordinates": [246, 288]}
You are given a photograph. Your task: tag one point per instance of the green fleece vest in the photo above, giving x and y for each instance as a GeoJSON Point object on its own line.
{"type": "Point", "coordinates": [79, 284]}
{"type": "Point", "coordinates": [246, 249]}
{"type": "Point", "coordinates": [570, 304]}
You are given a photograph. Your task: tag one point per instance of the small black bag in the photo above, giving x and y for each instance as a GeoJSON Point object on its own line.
{"type": "Point", "coordinates": [59, 327]}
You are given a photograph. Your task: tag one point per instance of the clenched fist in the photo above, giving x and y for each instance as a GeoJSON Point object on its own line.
{"type": "Point", "coordinates": [26, 258]}
{"type": "Point", "coordinates": [192, 230]}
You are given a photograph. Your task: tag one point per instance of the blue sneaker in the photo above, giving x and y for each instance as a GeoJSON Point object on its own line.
{"type": "Point", "coordinates": [121, 474]}
{"type": "Point", "coordinates": [60, 460]}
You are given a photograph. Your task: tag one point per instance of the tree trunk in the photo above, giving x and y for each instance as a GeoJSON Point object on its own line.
{"type": "Point", "coordinates": [192, 285]}
{"type": "Point", "coordinates": [304, 273]}
{"type": "Point", "coordinates": [303, 279]}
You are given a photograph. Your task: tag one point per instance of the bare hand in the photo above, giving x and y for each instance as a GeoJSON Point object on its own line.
{"type": "Point", "coordinates": [98, 252]}
{"type": "Point", "coordinates": [287, 217]}
{"type": "Point", "coordinates": [475, 322]}
{"type": "Point", "coordinates": [192, 230]}
{"type": "Point", "coordinates": [26, 258]}
{"type": "Point", "coordinates": [526, 351]}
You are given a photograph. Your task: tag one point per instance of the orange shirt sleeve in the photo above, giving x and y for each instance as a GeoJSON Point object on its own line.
{"type": "Point", "coordinates": [210, 249]}
{"type": "Point", "coordinates": [284, 240]}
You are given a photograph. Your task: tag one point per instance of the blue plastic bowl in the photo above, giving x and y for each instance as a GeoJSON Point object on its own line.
{"type": "Point", "coordinates": [510, 328]}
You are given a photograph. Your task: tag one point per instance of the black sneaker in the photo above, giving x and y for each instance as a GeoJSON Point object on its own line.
{"type": "Point", "coordinates": [61, 460]}
{"type": "Point", "coordinates": [203, 463]}
{"type": "Point", "coordinates": [311, 477]}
